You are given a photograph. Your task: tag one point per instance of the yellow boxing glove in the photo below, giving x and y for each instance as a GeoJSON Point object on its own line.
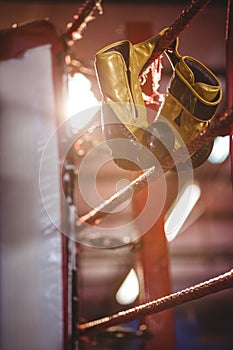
{"type": "Point", "coordinates": [192, 97]}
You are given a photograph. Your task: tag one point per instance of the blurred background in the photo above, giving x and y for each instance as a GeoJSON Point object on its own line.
{"type": "Point", "coordinates": [203, 246]}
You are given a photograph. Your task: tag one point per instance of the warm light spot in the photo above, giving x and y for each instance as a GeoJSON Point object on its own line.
{"type": "Point", "coordinates": [180, 211]}
{"type": "Point", "coordinates": [70, 42]}
{"type": "Point", "coordinates": [68, 60]}
{"type": "Point", "coordinates": [129, 290]}
{"type": "Point", "coordinates": [76, 36]}
{"type": "Point", "coordinates": [69, 25]}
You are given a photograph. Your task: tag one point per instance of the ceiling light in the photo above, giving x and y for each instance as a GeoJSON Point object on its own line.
{"type": "Point", "coordinates": [180, 210]}
{"type": "Point", "coordinates": [129, 290]}
{"type": "Point", "coordinates": [220, 150]}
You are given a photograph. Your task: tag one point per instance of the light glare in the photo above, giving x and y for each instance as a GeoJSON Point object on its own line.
{"type": "Point", "coordinates": [129, 290]}
{"type": "Point", "coordinates": [180, 211]}
{"type": "Point", "coordinates": [220, 150]}
{"type": "Point", "coordinates": [80, 99]}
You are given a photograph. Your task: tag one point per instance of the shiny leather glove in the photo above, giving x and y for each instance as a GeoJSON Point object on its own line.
{"type": "Point", "coordinates": [124, 114]}
{"type": "Point", "coordinates": [191, 101]}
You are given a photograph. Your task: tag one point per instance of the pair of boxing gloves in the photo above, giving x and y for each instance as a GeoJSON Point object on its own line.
{"type": "Point", "coordinates": [191, 99]}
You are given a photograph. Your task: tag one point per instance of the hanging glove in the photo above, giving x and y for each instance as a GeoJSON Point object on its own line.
{"type": "Point", "coordinates": [191, 101]}
{"type": "Point", "coordinates": [124, 114]}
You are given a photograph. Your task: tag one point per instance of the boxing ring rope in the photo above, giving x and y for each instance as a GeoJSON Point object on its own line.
{"type": "Point", "coordinates": [198, 291]}
{"type": "Point", "coordinates": [84, 15]}
{"type": "Point", "coordinates": [181, 23]}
